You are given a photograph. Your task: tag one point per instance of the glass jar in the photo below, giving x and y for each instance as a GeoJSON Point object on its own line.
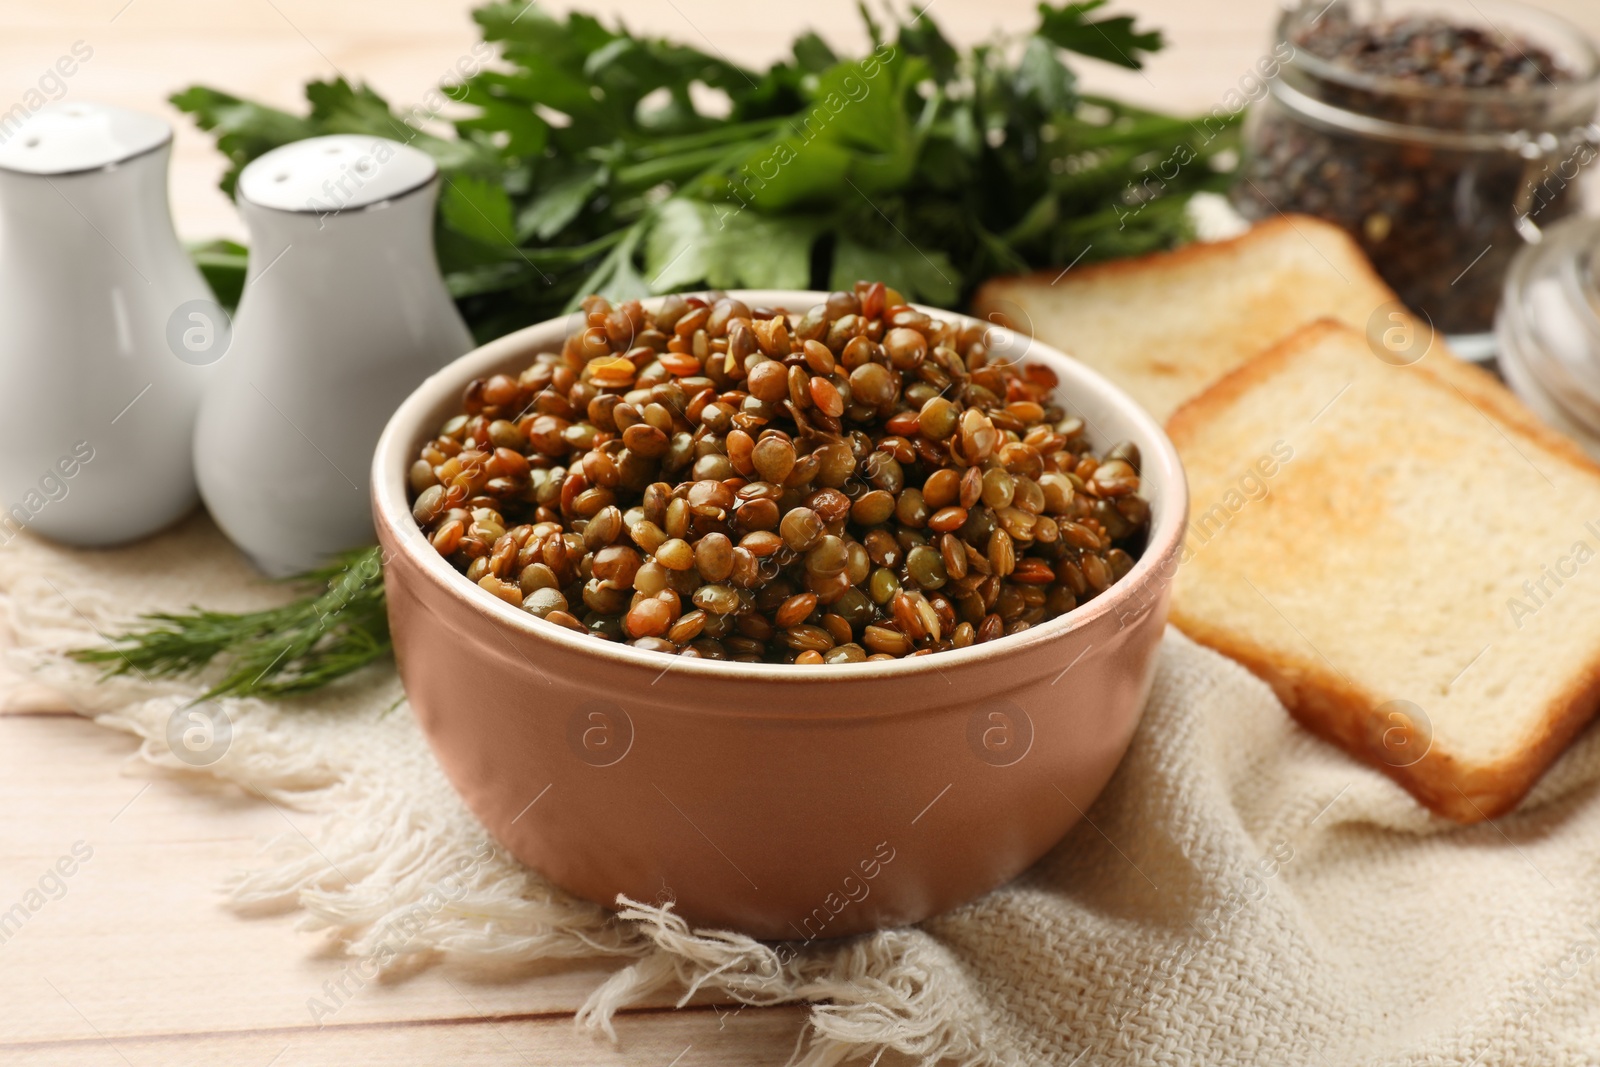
{"type": "Point", "coordinates": [1549, 329]}
{"type": "Point", "coordinates": [1440, 185]}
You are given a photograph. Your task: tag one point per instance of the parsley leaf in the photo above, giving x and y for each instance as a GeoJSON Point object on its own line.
{"type": "Point", "coordinates": [594, 159]}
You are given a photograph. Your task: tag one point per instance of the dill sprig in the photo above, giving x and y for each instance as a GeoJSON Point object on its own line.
{"type": "Point", "coordinates": [338, 627]}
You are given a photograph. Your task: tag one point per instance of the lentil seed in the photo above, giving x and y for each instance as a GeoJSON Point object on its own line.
{"type": "Point", "coordinates": [648, 618]}
{"type": "Point", "coordinates": [1001, 553]}
{"type": "Point", "coordinates": [713, 557]}
{"type": "Point", "coordinates": [926, 567]}
{"type": "Point", "coordinates": [774, 458]}
{"type": "Point", "coordinates": [801, 528]}
{"type": "Point", "coordinates": [768, 381]}
{"type": "Point", "coordinates": [428, 505]}
{"type": "Point", "coordinates": [872, 508]}
{"type": "Point", "coordinates": [795, 609]}
{"type": "Point", "coordinates": [883, 639]}
{"type": "Point", "coordinates": [675, 554]}
{"type": "Point", "coordinates": [872, 383]}
{"type": "Point", "coordinates": [542, 602]}
{"type": "Point", "coordinates": [825, 395]}
{"type": "Point", "coordinates": [938, 419]}
{"type": "Point", "coordinates": [883, 585]}
{"type": "Point", "coordinates": [817, 357]}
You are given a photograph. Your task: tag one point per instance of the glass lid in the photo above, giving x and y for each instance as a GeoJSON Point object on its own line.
{"type": "Point", "coordinates": [1550, 321]}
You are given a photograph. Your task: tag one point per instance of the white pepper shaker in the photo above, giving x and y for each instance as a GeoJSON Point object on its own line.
{"type": "Point", "coordinates": [97, 408]}
{"type": "Point", "coordinates": [343, 314]}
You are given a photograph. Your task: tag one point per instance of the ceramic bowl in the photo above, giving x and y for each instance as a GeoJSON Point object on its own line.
{"type": "Point", "coordinates": [783, 802]}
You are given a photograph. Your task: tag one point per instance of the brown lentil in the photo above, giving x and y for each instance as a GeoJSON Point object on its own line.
{"type": "Point", "coordinates": [856, 483]}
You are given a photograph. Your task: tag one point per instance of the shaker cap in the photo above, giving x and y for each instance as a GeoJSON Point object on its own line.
{"type": "Point", "coordinates": [77, 136]}
{"type": "Point", "coordinates": [342, 172]}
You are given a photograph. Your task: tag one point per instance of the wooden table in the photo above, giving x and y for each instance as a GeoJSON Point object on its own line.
{"type": "Point", "coordinates": [138, 963]}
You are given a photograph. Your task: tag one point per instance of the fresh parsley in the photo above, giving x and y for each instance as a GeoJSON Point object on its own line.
{"type": "Point", "coordinates": [591, 159]}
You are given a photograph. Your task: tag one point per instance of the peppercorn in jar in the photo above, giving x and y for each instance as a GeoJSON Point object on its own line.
{"type": "Point", "coordinates": [1441, 134]}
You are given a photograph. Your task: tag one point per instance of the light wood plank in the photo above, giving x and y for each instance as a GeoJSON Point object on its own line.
{"type": "Point", "coordinates": [138, 937]}
{"type": "Point", "coordinates": [690, 1038]}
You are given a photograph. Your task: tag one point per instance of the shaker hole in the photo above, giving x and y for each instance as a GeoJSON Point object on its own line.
{"type": "Point", "coordinates": [281, 177]}
{"type": "Point", "coordinates": [32, 142]}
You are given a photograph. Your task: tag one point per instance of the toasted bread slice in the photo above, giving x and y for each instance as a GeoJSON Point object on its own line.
{"type": "Point", "coordinates": [1165, 326]}
{"type": "Point", "coordinates": [1408, 559]}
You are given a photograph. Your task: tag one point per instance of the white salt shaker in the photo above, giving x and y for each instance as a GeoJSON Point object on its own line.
{"type": "Point", "coordinates": [343, 314]}
{"type": "Point", "coordinates": [97, 407]}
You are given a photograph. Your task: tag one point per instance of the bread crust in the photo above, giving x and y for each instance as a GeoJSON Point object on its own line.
{"type": "Point", "coordinates": [1220, 394]}
{"type": "Point", "coordinates": [1487, 393]}
{"type": "Point", "coordinates": [1335, 708]}
{"type": "Point", "coordinates": [996, 290]}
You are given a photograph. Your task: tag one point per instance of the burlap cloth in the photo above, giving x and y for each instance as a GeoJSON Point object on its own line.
{"type": "Point", "coordinates": [1242, 893]}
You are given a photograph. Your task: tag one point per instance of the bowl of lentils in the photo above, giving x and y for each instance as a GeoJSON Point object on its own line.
{"type": "Point", "coordinates": [818, 612]}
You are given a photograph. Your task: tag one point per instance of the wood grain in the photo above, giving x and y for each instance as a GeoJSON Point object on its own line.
{"type": "Point", "coordinates": [138, 962]}
{"type": "Point", "coordinates": [134, 953]}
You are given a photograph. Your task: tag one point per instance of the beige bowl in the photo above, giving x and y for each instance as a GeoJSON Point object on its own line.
{"type": "Point", "coordinates": [784, 802]}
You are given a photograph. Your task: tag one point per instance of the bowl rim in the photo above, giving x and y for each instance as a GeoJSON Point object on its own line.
{"type": "Point", "coordinates": [392, 512]}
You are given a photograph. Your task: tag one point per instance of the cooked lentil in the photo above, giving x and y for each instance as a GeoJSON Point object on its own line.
{"type": "Point", "coordinates": [857, 482]}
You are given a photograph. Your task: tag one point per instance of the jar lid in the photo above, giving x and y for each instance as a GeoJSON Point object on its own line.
{"type": "Point", "coordinates": [1549, 326]}
{"type": "Point", "coordinates": [327, 175]}
{"type": "Point", "coordinates": [71, 138]}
